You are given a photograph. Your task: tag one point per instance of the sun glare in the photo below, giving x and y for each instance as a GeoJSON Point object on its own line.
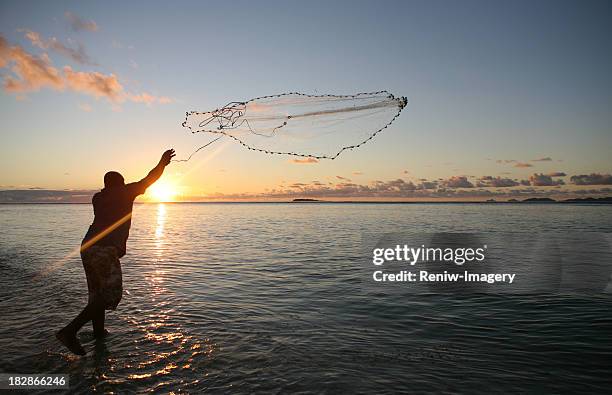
{"type": "Point", "coordinates": [161, 192]}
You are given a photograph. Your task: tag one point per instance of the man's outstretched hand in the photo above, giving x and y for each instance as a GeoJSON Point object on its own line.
{"type": "Point", "coordinates": [167, 157]}
{"type": "Point", "coordinates": [157, 171]}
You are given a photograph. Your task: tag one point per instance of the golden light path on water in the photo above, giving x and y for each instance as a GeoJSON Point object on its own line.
{"type": "Point", "coordinates": [167, 349]}
{"type": "Point", "coordinates": [159, 230]}
{"type": "Point", "coordinates": [182, 352]}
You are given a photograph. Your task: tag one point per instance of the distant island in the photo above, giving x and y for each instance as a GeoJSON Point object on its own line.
{"type": "Point", "coordinates": [538, 200]}
{"type": "Point", "coordinates": [589, 200]}
{"type": "Point", "coordinates": [603, 200]}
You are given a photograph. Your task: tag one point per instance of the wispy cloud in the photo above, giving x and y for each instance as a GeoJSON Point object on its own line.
{"type": "Point", "coordinates": [149, 99]}
{"type": "Point", "coordinates": [31, 73]}
{"type": "Point", "coordinates": [78, 24]}
{"type": "Point", "coordinates": [304, 161]}
{"type": "Point", "coordinates": [85, 107]}
{"type": "Point", "coordinates": [78, 54]}
{"type": "Point", "coordinates": [522, 164]}
{"type": "Point", "coordinates": [94, 83]}
{"type": "Point", "coordinates": [557, 174]}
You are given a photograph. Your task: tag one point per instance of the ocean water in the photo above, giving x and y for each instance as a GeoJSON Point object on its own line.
{"type": "Point", "coordinates": [274, 298]}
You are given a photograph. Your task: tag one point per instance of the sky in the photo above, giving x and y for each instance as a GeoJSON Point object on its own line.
{"type": "Point", "coordinates": [505, 99]}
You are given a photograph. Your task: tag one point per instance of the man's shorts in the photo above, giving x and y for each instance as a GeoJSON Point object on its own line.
{"type": "Point", "coordinates": [103, 272]}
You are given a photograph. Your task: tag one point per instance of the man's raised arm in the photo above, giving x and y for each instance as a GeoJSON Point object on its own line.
{"type": "Point", "coordinates": [156, 172]}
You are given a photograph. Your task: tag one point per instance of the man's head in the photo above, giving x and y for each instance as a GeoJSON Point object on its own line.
{"type": "Point", "coordinates": [113, 179]}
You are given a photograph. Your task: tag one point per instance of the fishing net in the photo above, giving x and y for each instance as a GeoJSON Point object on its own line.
{"type": "Point", "coordinates": [316, 126]}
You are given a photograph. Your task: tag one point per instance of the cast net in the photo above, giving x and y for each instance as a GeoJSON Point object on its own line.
{"type": "Point", "coordinates": [316, 126]}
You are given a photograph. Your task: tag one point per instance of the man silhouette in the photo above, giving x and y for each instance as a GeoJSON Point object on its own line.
{"type": "Point", "coordinates": [103, 245]}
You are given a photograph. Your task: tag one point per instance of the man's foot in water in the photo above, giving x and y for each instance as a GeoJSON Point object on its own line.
{"type": "Point", "coordinates": [101, 335]}
{"type": "Point", "coordinates": [70, 341]}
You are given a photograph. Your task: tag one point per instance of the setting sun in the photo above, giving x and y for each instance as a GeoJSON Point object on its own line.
{"type": "Point", "coordinates": [161, 191]}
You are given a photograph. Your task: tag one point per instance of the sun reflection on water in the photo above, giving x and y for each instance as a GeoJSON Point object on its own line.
{"type": "Point", "coordinates": [161, 220]}
{"type": "Point", "coordinates": [158, 349]}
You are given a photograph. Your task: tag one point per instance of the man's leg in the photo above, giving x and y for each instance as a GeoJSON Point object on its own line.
{"type": "Point", "coordinates": [67, 335]}
{"type": "Point", "coordinates": [98, 323]}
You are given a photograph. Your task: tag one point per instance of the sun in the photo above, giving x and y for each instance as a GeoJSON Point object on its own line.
{"type": "Point", "coordinates": [161, 191]}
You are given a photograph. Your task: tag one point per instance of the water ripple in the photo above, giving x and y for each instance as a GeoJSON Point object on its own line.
{"type": "Point", "coordinates": [267, 298]}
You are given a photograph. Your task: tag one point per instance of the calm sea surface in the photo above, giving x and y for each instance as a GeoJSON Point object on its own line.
{"type": "Point", "coordinates": [273, 298]}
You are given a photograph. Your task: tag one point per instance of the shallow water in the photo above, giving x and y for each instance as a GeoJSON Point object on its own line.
{"type": "Point", "coordinates": [272, 298]}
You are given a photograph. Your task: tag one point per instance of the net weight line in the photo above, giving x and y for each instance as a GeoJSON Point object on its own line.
{"type": "Point", "coordinates": [196, 151]}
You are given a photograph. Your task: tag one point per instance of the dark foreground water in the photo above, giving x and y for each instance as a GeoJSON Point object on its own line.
{"type": "Point", "coordinates": [273, 298]}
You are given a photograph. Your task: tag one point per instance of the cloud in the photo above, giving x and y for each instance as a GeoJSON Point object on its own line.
{"type": "Point", "coordinates": [457, 182]}
{"type": "Point", "coordinates": [85, 107]}
{"type": "Point", "coordinates": [543, 180]}
{"type": "Point", "coordinates": [357, 173]}
{"type": "Point", "coordinates": [342, 178]}
{"type": "Point", "coordinates": [522, 164]}
{"type": "Point", "coordinates": [149, 99]}
{"type": "Point", "coordinates": [39, 195]}
{"type": "Point", "coordinates": [557, 174]}
{"type": "Point", "coordinates": [304, 161]}
{"type": "Point", "coordinates": [428, 185]}
{"type": "Point", "coordinates": [94, 83]}
{"type": "Point", "coordinates": [399, 189]}
{"type": "Point", "coordinates": [77, 24]}
{"type": "Point", "coordinates": [496, 182]}
{"type": "Point", "coordinates": [30, 73]}
{"type": "Point", "coordinates": [592, 179]}
{"type": "Point", "coordinates": [78, 55]}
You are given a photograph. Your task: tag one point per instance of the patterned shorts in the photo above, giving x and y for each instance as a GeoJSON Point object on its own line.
{"type": "Point", "coordinates": [103, 272]}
